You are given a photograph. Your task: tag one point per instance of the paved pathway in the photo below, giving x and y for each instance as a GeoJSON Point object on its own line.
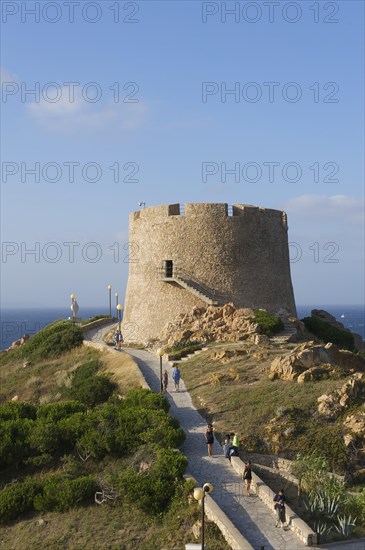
{"type": "Point", "coordinates": [250, 515]}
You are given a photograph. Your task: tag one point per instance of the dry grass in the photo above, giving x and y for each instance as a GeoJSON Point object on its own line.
{"type": "Point", "coordinates": [108, 527]}
{"type": "Point", "coordinates": [39, 382]}
{"type": "Point", "coordinates": [123, 370]}
{"type": "Point", "coordinates": [238, 395]}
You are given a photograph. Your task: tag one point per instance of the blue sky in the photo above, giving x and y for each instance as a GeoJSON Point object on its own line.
{"type": "Point", "coordinates": [161, 133]}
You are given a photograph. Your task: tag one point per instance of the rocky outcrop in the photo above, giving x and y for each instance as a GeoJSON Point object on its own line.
{"type": "Point", "coordinates": [19, 343]}
{"type": "Point", "coordinates": [330, 319]}
{"type": "Point", "coordinates": [352, 392]}
{"type": "Point", "coordinates": [219, 378]}
{"type": "Point", "coordinates": [309, 356]}
{"type": "Point", "coordinates": [211, 324]}
{"type": "Point", "coordinates": [354, 439]}
{"type": "Point", "coordinates": [354, 426]}
{"type": "Point", "coordinates": [225, 355]}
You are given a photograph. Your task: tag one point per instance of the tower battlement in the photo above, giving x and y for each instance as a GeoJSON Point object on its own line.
{"type": "Point", "coordinates": [205, 209]}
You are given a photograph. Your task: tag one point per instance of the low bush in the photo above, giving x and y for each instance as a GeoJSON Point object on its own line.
{"type": "Point", "coordinates": [328, 333]}
{"type": "Point", "coordinates": [45, 437]}
{"type": "Point", "coordinates": [355, 506]}
{"type": "Point", "coordinates": [185, 351]}
{"type": "Point", "coordinates": [92, 391]}
{"type": "Point", "coordinates": [14, 410]}
{"type": "Point", "coordinates": [88, 387]}
{"type": "Point", "coordinates": [184, 344]}
{"type": "Point", "coordinates": [269, 324]}
{"type": "Point", "coordinates": [51, 341]}
{"type": "Point", "coordinates": [53, 412]}
{"type": "Point", "coordinates": [60, 494]}
{"type": "Point", "coordinates": [154, 491]}
{"type": "Point", "coordinates": [17, 498]}
{"type": "Point", "coordinates": [14, 445]}
{"type": "Point", "coordinates": [146, 399]}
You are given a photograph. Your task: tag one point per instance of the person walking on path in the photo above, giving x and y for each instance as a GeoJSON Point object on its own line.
{"type": "Point", "coordinates": [165, 381]}
{"type": "Point", "coordinates": [176, 377]}
{"type": "Point", "coordinates": [209, 438]}
{"type": "Point", "coordinates": [279, 505]}
{"type": "Point", "coordinates": [247, 476]}
{"type": "Point", "coordinates": [118, 339]}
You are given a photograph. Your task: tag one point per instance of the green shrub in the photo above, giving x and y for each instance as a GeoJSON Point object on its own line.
{"type": "Point", "coordinates": [53, 412]}
{"type": "Point", "coordinates": [355, 506]}
{"type": "Point", "coordinates": [154, 491]}
{"type": "Point", "coordinates": [45, 437]}
{"type": "Point", "coordinates": [183, 352]}
{"type": "Point", "coordinates": [92, 391]}
{"type": "Point", "coordinates": [74, 426]}
{"type": "Point", "coordinates": [268, 323]}
{"type": "Point", "coordinates": [40, 460]}
{"type": "Point", "coordinates": [146, 399]}
{"type": "Point", "coordinates": [328, 333]}
{"type": "Point", "coordinates": [18, 498]}
{"type": "Point", "coordinates": [134, 423]}
{"type": "Point", "coordinates": [51, 341]}
{"type": "Point", "coordinates": [313, 473]}
{"type": "Point", "coordinates": [88, 387]}
{"type": "Point", "coordinates": [13, 410]}
{"type": "Point", "coordinates": [324, 439]}
{"type": "Point", "coordinates": [14, 446]}
{"type": "Point", "coordinates": [60, 494]}
{"type": "Point", "coordinates": [183, 345]}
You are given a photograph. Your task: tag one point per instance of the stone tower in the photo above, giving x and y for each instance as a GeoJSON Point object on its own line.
{"type": "Point", "coordinates": [204, 253]}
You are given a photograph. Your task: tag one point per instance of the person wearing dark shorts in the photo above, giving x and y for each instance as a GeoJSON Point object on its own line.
{"type": "Point", "coordinates": [247, 476]}
{"type": "Point", "coordinates": [279, 505]}
{"type": "Point", "coordinates": [209, 439]}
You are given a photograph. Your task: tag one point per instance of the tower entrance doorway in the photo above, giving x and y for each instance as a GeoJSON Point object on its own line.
{"type": "Point", "coordinates": [168, 268]}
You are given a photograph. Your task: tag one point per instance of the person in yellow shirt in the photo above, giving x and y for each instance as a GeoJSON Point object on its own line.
{"type": "Point", "coordinates": [233, 449]}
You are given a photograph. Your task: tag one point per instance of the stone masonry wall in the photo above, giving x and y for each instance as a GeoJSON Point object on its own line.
{"type": "Point", "coordinates": [243, 257]}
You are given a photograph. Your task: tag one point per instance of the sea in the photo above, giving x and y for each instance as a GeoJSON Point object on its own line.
{"type": "Point", "coordinates": [16, 322]}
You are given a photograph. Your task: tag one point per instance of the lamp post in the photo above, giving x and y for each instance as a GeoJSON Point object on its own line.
{"type": "Point", "coordinates": [160, 353]}
{"type": "Point", "coordinates": [110, 300]}
{"type": "Point", "coordinates": [200, 494]}
{"type": "Point", "coordinates": [119, 309]}
{"type": "Point", "coordinates": [116, 298]}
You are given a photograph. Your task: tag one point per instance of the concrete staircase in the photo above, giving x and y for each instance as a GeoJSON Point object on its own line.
{"type": "Point", "coordinates": [187, 281]}
{"type": "Point", "coordinates": [189, 285]}
{"type": "Point", "coordinates": [286, 334]}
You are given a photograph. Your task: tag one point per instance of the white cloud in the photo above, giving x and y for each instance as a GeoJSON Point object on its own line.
{"type": "Point", "coordinates": [79, 115]}
{"type": "Point", "coordinates": [324, 208]}
{"type": "Point", "coordinates": [6, 76]}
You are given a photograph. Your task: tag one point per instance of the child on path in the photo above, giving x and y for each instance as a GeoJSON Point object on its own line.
{"type": "Point", "coordinates": [279, 505]}
{"type": "Point", "coordinates": [227, 441]}
{"type": "Point", "coordinates": [165, 381]}
{"type": "Point", "coordinates": [209, 439]}
{"type": "Point", "coordinates": [176, 377]}
{"type": "Point", "coordinates": [247, 476]}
